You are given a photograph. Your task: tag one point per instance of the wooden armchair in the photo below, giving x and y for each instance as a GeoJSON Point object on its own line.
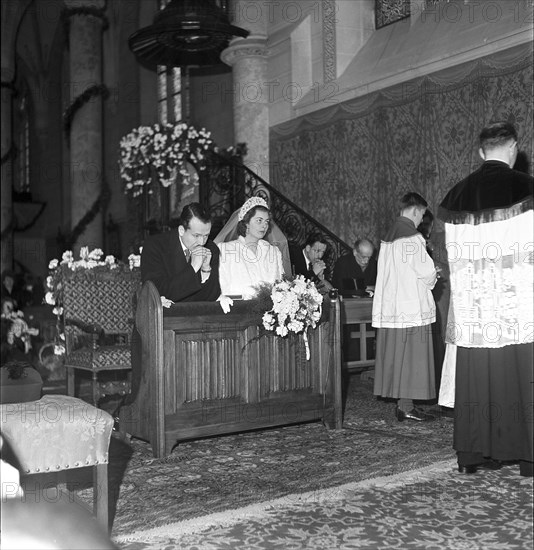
{"type": "Point", "coordinates": [98, 321]}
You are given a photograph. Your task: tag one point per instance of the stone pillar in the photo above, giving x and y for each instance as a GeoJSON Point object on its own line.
{"type": "Point", "coordinates": [12, 13]}
{"type": "Point", "coordinates": [86, 142]}
{"type": "Point", "coordinates": [6, 144]}
{"type": "Point", "coordinates": [248, 59]}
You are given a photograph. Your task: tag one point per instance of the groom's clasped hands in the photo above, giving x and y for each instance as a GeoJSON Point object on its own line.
{"type": "Point", "coordinates": [201, 258]}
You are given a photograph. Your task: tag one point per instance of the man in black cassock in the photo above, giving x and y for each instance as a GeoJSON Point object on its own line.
{"type": "Point", "coordinates": [488, 231]}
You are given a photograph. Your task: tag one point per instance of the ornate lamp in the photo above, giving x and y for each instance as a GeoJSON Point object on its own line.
{"type": "Point", "coordinates": [185, 33]}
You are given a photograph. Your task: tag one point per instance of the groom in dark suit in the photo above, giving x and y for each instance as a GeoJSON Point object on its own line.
{"type": "Point", "coordinates": [184, 266]}
{"type": "Point", "coordinates": [183, 263]}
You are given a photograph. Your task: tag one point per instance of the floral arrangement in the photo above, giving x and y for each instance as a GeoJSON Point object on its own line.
{"type": "Point", "coordinates": [90, 263]}
{"type": "Point", "coordinates": [296, 305]}
{"type": "Point", "coordinates": [18, 332]}
{"type": "Point", "coordinates": [165, 148]}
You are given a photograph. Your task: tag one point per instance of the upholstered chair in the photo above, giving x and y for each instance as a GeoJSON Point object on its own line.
{"type": "Point", "coordinates": [98, 321]}
{"type": "Point", "coordinates": [58, 433]}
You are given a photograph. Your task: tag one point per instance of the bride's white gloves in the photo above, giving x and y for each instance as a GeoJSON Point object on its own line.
{"type": "Point", "coordinates": [225, 302]}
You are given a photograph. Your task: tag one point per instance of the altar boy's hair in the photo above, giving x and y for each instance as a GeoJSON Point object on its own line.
{"type": "Point", "coordinates": [413, 199]}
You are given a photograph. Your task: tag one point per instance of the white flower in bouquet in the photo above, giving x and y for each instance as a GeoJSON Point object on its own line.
{"type": "Point", "coordinates": [268, 321]}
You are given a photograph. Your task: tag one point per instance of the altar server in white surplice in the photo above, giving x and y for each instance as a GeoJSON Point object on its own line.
{"type": "Point", "coordinates": [249, 260]}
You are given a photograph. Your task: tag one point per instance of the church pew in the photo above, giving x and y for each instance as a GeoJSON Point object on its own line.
{"type": "Point", "coordinates": [204, 373]}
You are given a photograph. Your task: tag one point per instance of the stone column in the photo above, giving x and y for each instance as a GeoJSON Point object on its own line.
{"type": "Point", "coordinates": [86, 142]}
{"type": "Point", "coordinates": [12, 13]}
{"type": "Point", "coordinates": [248, 59]}
{"type": "Point", "coordinates": [6, 145]}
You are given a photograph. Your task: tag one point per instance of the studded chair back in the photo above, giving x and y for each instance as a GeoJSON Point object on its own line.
{"type": "Point", "coordinates": [98, 319]}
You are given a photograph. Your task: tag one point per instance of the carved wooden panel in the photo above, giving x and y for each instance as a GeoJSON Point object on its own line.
{"type": "Point", "coordinates": [212, 362]}
{"type": "Point", "coordinates": [283, 365]}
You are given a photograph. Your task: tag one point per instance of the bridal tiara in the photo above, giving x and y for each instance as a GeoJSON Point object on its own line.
{"type": "Point", "coordinates": [251, 203]}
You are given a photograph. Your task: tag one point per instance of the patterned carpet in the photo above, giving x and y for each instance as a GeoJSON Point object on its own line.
{"type": "Point", "coordinates": [218, 474]}
{"type": "Point", "coordinates": [433, 508]}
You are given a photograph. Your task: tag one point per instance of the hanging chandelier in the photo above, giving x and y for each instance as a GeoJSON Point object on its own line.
{"type": "Point", "coordinates": [184, 33]}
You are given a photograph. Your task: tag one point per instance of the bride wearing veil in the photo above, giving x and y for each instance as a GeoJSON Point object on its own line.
{"type": "Point", "coordinates": [253, 250]}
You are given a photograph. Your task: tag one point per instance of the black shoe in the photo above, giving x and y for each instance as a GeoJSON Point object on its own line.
{"type": "Point", "coordinates": [526, 468]}
{"type": "Point", "coordinates": [469, 469]}
{"type": "Point", "coordinates": [415, 414]}
{"type": "Point", "coordinates": [473, 468]}
{"type": "Point", "coordinates": [491, 464]}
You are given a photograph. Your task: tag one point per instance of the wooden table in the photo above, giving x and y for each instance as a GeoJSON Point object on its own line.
{"type": "Point", "coordinates": [358, 311]}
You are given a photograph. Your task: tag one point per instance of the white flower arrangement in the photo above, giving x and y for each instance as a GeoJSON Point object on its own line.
{"type": "Point", "coordinates": [19, 329]}
{"type": "Point", "coordinates": [296, 306]}
{"type": "Point", "coordinates": [134, 260]}
{"type": "Point", "coordinates": [164, 147]}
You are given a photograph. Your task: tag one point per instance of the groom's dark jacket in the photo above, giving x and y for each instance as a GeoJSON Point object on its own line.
{"type": "Point", "coordinates": [163, 262]}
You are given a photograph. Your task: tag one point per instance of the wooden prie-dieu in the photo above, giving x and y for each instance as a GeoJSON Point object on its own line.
{"type": "Point", "coordinates": [206, 373]}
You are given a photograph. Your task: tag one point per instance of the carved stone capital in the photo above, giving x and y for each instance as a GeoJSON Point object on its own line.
{"type": "Point", "coordinates": [245, 48]}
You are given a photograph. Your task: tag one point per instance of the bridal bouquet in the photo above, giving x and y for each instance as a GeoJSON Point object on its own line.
{"type": "Point", "coordinates": [296, 305]}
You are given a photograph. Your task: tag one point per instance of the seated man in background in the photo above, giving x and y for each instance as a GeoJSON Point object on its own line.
{"type": "Point", "coordinates": [355, 274]}
{"type": "Point", "coordinates": [308, 261]}
{"type": "Point", "coordinates": [356, 271]}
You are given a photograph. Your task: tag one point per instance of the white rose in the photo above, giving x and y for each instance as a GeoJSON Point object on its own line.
{"type": "Point", "coordinates": [59, 350]}
{"type": "Point", "coordinates": [67, 256]}
{"type": "Point", "coordinates": [49, 298]}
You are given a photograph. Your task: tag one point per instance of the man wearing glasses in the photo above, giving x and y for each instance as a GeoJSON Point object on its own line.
{"type": "Point", "coordinates": [356, 271]}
